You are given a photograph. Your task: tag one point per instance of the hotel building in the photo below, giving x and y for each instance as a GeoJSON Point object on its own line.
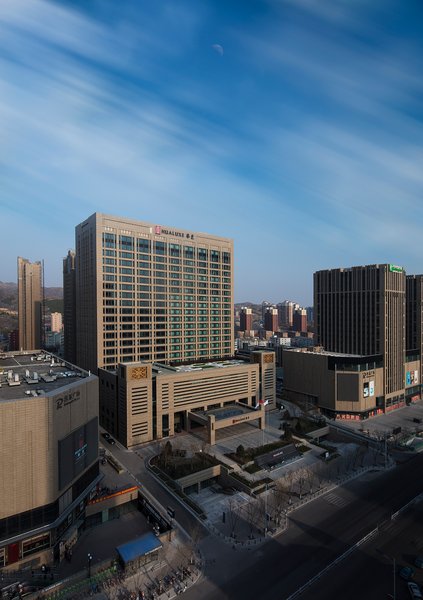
{"type": "Point", "coordinates": [141, 401]}
{"type": "Point", "coordinates": [147, 292]}
{"type": "Point", "coordinates": [368, 323]}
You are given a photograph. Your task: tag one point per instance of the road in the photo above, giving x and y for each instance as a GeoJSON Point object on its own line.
{"type": "Point", "coordinates": [317, 534]}
{"type": "Point", "coordinates": [369, 572]}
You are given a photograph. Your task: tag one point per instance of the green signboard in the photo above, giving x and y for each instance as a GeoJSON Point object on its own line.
{"type": "Point", "coordinates": [395, 269]}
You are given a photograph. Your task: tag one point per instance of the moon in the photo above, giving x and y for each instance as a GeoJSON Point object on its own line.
{"type": "Point", "coordinates": [218, 49]}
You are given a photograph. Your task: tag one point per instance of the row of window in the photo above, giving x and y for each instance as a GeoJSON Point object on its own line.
{"type": "Point", "coordinates": [130, 244]}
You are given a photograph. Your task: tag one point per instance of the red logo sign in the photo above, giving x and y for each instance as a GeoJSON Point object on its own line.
{"type": "Point", "coordinates": [158, 230]}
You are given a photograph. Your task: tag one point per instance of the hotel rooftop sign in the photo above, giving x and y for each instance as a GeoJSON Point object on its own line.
{"type": "Point", "coordinates": [395, 269]}
{"type": "Point", "coordinates": [159, 230]}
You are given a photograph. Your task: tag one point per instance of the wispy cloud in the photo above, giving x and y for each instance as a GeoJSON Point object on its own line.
{"type": "Point", "coordinates": [306, 132]}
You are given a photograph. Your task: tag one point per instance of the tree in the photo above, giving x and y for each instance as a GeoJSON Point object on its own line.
{"type": "Point", "coordinates": [310, 478]}
{"type": "Point", "coordinates": [232, 516]}
{"type": "Point", "coordinates": [240, 451]}
{"type": "Point", "coordinates": [279, 500]}
{"type": "Point", "coordinates": [251, 514]}
{"type": "Point", "coordinates": [301, 481]}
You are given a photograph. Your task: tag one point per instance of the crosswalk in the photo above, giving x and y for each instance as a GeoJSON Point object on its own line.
{"type": "Point", "coordinates": [336, 500]}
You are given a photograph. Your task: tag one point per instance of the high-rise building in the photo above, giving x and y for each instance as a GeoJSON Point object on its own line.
{"type": "Point", "coordinates": [271, 319]}
{"type": "Point", "coordinates": [30, 303]}
{"type": "Point", "coordinates": [69, 307]}
{"type": "Point", "coordinates": [56, 322]}
{"type": "Point", "coordinates": [286, 313]}
{"type": "Point", "coordinates": [300, 320]}
{"type": "Point", "coordinates": [246, 319]}
{"type": "Point", "coordinates": [361, 311]}
{"type": "Point", "coordinates": [414, 317]}
{"type": "Point", "coordinates": [149, 292]}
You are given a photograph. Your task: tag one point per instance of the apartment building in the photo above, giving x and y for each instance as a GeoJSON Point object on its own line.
{"type": "Point", "coordinates": [30, 304]}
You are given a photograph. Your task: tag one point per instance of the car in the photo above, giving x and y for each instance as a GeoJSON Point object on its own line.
{"type": "Point", "coordinates": [106, 435]}
{"type": "Point", "coordinates": [418, 562]}
{"type": "Point", "coordinates": [229, 491]}
{"type": "Point", "coordinates": [406, 573]}
{"type": "Point", "coordinates": [414, 590]}
{"type": "Point", "coordinates": [111, 440]}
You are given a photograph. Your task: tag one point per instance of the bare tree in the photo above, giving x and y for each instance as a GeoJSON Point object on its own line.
{"type": "Point", "coordinates": [233, 516]}
{"type": "Point", "coordinates": [289, 482]}
{"type": "Point", "coordinates": [195, 534]}
{"type": "Point", "coordinates": [252, 510]}
{"type": "Point", "coordinates": [321, 472]}
{"type": "Point", "coordinates": [301, 480]}
{"type": "Point", "coordinates": [310, 479]}
{"type": "Point", "coordinates": [279, 500]}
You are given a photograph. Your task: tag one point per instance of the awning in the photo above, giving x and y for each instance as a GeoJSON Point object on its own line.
{"type": "Point", "coordinates": [139, 547]}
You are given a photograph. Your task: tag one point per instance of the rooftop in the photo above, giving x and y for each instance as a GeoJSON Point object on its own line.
{"type": "Point", "coordinates": [26, 374]}
{"type": "Point", "coordinates": [219, 364]}
{"type": "Point", "coordinates": [226, 412]}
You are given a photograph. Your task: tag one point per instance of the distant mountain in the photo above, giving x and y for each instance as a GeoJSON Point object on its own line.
{"type": "Point", "coordinates": [53, 293]}
{"type": "Point", "coordinates": [9, 294]}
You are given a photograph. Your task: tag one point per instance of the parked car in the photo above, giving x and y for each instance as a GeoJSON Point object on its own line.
{"type": "Point", "coordinates": [414, 590]}
{"type": "Point", "coordinates": [229, 491]}
{"type": "Point", "coordinates": [111, 440]}
{"type": "Point", "coordinates": [106, 435]}
{"type": "Point", "coordinates": [406, 573]}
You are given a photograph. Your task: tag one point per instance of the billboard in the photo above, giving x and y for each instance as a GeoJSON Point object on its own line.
{"type": "Point", "coordinates": [77, 451]}
{"type": "Point", "coordinates": [368, 389]}
{"type": "Point", "coordinates": [412, 378]}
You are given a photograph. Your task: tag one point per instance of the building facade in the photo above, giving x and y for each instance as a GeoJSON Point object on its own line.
{"type": "Point", "coordinates": [286, 313]}
{"type": "Point", "coordinates": [344, 386]}
{"type": "Point", "coordinates": [56, 322]}
{"type": "Point", "coordinates": [69, 307]}
{"type": "Point", "coordinates": [30, 304]}
{"type": "Point", "coordinates": [49, 457]}
{"type": "Point", "coordinates": [246, 319]}
{"type": "Point", "coordinates": [271, 319]}
{"type": "Point", "coordinates": [147, 292]}
{"type": "Point", "coordinates": [300, 320]}
{"type": "Point", "coordinates": [140, 402]}
{"type": "Point", "coordinates": [361, 311]}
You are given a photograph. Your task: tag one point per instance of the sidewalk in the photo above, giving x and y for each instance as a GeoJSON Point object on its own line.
{"type": "Point", "coordinates": [176, 570]}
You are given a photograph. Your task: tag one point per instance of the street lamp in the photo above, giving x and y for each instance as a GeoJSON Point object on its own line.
{"type": "Point", "coordinates": [89, 564]}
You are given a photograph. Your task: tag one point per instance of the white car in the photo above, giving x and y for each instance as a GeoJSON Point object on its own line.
{"type": "Point", "coordinates": [414, 590]}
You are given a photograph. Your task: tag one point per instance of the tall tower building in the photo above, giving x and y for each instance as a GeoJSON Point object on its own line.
{"type": "Point", "coordinates": [361, 311]}
{"type": "Point", "coordinates": [414, 317]}
{"type": "Point", "coordinates": [271, 319]}
{"type": "Point", "coordinates": [300, 320]}
{"type": "Point", "coordinates": [69, 307]}
{"type": "Point", "coordinates": [286, 313]}
{"type": "Point", "coordinates": [149, 292]}
{"type": "Point", "coordinates": [30, 303]}
{"type": "Point", "coordinates": [245, 319]}
{"type": "Point", "coordinates": [56, 322]}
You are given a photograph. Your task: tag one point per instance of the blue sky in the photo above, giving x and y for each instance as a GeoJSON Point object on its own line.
{"type": "Point", "coordinates": [292, 126]}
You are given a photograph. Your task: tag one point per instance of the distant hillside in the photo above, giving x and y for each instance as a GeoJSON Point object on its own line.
{"type": "Point", "coordinates": [54, 305]}
{"type": "Point", "coordinates": [9, 295]}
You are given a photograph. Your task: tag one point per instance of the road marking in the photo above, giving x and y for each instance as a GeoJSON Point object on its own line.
{"type": "Point", "coordinates": [336, 500]}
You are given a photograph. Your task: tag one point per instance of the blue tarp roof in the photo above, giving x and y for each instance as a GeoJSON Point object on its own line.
{"type": "Point", "coordinates": [139, 547]}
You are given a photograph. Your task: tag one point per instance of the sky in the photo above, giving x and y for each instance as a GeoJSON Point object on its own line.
{"type": "Point", "coordinates": [292, 126]}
